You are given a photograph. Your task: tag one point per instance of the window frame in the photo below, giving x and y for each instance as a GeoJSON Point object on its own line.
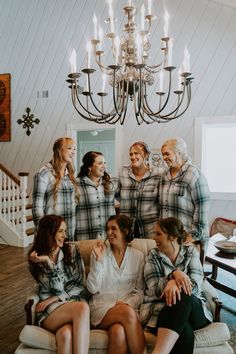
{"type": "Point", "coordinates": [200, 122]}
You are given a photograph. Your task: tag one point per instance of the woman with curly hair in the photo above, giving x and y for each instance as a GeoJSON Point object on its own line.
{"type": "Point", "coordinates": [55, 190]}
{"type": "Point", "coordinates": [96, 197]}
{"type": "Point", "coordinates": [58, 268]}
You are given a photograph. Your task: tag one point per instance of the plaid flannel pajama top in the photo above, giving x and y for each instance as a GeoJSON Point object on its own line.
{"type": "Point", "coordinates": [43, 200]}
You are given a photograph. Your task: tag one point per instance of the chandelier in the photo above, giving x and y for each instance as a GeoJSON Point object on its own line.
{"type": "Point", "coordinates": [129, 75]}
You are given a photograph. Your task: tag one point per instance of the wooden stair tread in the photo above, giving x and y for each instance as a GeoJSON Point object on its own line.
{"type": "Point", "coordinates": [30, 232]}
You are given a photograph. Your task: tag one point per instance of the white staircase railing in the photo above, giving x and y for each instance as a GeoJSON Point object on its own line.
{"type": "Point", "coordinates": [13, 200]}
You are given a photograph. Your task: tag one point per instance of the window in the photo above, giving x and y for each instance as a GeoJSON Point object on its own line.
{"type": "Point", "coordinates": [214, 152]}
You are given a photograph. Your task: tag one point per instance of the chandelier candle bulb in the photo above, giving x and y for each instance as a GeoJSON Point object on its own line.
{"type": "Point", "coordinates": [161, 78]}
{"type": "Point", "coordinates": [95, 26]}
{"type": "Point", "coordinates": [111, 16]}
{"type": "Point", "coordinates": [139, 48]}
{"type": "Point", "coordinates": [170, 47]}
{"type": "Point", "coordinates": [149, 7]}
{"type": "Point", "coordinates": [117, 49]}
{"type": "Point", "coordinates": [88, 54]}
{"type": "Point", "coordinates": [73, 61]}
{"type": "Point", "coordinates": [104, 79]}
{"type": "Point", "coordinates": [142, 17]}
{"type": "Point", "coordinates": [166, 24]}
{"type": "Point", "coordinates": [186, 61]}
{"type": "Point", "coordinates": [179, 80]}
{"type": "Point", "coordinates": [100, 37]}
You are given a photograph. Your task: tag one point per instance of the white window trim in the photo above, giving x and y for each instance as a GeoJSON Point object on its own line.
{"type": "Point", "coordinates": [72, 128]}
{"type": "Point", "coordinates": [198, 147]}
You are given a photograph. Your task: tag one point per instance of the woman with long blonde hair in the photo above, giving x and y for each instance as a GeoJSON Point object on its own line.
{"type": "Point", "coordinates": [55, 190]}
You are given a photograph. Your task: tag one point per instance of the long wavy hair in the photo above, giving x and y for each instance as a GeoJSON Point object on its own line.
{"type": "Point", "coordinates": [173, 227]}
{"type": "Point", "coordinates": [88, 160]}
{"type": "Point", "coordinates": [44, 243]}
{"type": "Point", "coordinates": [125, 224]}
{"type": "Point", "coordinates": [57, 162]}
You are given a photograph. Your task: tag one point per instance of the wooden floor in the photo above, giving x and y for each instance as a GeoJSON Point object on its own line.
{"type": "Point", "coordinates": [15, 283]}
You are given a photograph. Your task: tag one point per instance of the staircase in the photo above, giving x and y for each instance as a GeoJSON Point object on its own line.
{"type": "Point", "coordinates": [16, 221]}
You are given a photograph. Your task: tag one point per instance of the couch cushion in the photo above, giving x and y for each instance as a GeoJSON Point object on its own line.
{"type": "Point", "coordinates": [37, 337]}
{"type": "Point", "coordinates": [212, 335]}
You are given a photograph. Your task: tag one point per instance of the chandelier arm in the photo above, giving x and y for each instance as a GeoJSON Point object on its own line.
{"type": "Point", "coordinates": [168, 118]}
{"type": "Point", "coordinates": [76, 95]}
{"type": "Point", "coordinates": [180, 101]}
{"type": "Point", "coordinates": [80, 113]}
{"type": "Point", "coordinates": [103, 68]}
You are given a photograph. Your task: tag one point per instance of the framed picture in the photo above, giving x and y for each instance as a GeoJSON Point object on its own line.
{"type": "Point", "coordinates": [5, 107]}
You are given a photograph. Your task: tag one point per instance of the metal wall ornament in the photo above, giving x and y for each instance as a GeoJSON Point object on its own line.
{"type": "Point", "coordinates": [28, 121]}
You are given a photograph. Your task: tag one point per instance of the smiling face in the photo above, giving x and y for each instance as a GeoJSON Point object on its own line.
{"type": "Point", "coordinates": [114, 234]}
{"type": "Point", "coordinates": [98, 167]}
{"type": "Point", "coordinates": [171, 157]}
{"type": "Point", "coordinates": [60, 235]}
{"type": "Point", "coordinates": [137, 157]}
{"type": "Point", "coordinates": [163, 240]}
{"type": "Point", "coordinates": [68, 152]}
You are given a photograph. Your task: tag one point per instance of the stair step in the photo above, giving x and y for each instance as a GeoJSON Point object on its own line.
{"type": "Point", "coordinates": [30, 231]}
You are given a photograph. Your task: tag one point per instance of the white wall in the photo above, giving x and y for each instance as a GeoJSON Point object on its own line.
{"type": "Point", "coordinates": [36, 39]}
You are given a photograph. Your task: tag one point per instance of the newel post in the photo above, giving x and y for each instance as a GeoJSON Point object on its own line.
{"type": "Point", "coordinates": [23, 195]}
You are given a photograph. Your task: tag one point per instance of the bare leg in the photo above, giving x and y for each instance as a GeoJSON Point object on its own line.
{"type": "Point", "coordinates": [166, 339]}
{"type": "Point", "coordinates": [117, 339]}
{"type": "Point", "coordinates": [76, 313]}
{"type": "Point", "coordinates": [64, 339]}
{"type": "Point", "coordinates": [127, 317]}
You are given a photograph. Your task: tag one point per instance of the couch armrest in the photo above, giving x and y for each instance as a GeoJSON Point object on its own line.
{"type": "Point", "coordinates": [32, 300]}
{"type": "Point", "coordinates": [212, 298]}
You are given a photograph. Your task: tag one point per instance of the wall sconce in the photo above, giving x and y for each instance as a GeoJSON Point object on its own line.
{"type": "Point", "coordinates": [28, 121]}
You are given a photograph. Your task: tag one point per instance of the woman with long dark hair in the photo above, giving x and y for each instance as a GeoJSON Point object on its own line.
{"type": "Point", "coordinates": [96, 197]}
{"type": "Point", "coordinates": [174, 303]}
{"type": "Point", "coordinates": [59, 271]}
{"type": "Point", "coordinates": [115, 281]}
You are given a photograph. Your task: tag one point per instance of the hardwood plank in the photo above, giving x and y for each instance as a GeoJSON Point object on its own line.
{"type": "Point", "coordinates": [15, 283]}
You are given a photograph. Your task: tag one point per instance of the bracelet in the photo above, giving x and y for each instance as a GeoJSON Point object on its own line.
{"type": "Point", "coordinates": [170, 275]}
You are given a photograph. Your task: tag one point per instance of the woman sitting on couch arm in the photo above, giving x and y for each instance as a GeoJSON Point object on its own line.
{"type": "Point", "coordinates": [59, 271]}
{"type": "Point", "coordinates": [173, 304]}
{"type": "Point", "coordinates": [116, 281]}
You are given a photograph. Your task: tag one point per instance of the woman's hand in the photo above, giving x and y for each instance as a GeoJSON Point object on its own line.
{"type": "Point", "coordinates": [189, 240]}
{"type": "Point", "coordinates": [182, 281]}
{"type": "Point", "coordinates": [39, 259]}
{"type": "Point", "coordinates": [99, 250]}
{"type": "Point", "coordinates": [171, 293]}
{"type": "Point", "coordinates": [42, 305]}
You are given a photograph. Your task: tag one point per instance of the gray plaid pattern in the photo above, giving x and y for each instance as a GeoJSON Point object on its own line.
{"type": "Point", "coordinates": [43, 201]}
{"type": "Point", "coordinates": [156, 270]}
{"type": "Point", "coordinates": [93, 209]}
{"type": "Point", "coordinates": [187, 198]}
{"type": "Point", "coordinates": [139, 199]}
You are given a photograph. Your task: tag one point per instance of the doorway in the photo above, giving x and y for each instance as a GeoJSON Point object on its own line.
{"type": "Point", "coordinates": [103, 137]}
{"type": "Point", "coordinates": [97, 140]}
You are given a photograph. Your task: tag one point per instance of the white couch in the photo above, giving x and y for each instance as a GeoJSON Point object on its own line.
{"type": "Point", "coordinates": [211, 339]}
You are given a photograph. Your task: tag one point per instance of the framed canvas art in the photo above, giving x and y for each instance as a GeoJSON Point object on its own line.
{"type": "Point", "coordinates": [5, 107]}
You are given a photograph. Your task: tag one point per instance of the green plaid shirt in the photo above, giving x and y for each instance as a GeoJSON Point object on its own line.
{"type": "Point", "coordinates": [187, 198]}
{"type": "Point", "coordinates": [93, 209]}
{"type": "Point", "coordinates": [139, 199]}
{"type": "Point", "coordinates": [43, 200]}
